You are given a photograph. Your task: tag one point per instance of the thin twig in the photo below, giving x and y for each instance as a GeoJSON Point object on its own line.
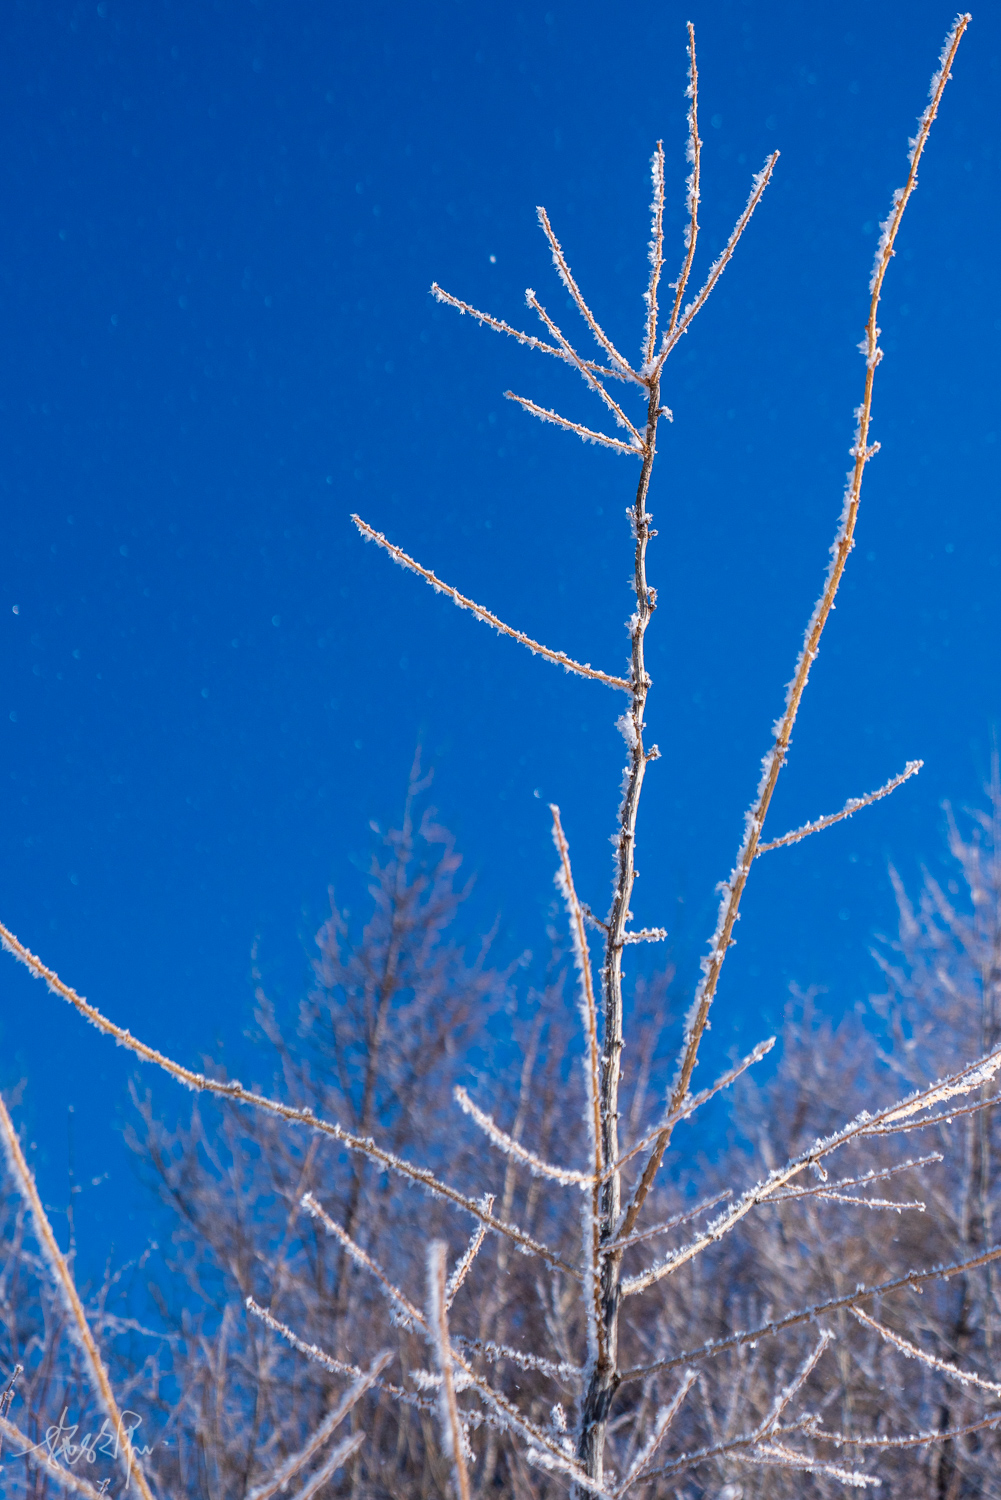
{"type": "Point", "coordinates": [950, 1371]}
{"type": "Point", "coordinates": [695, 157]}
{"type": "Point", "coordinates": [529, 339]}
{"type": "Point", "coordinates": [235, 1091]}
{"type": "Point", "coordinates": [810, 1314]}
{"type": "Point", "coordinates": [851, 806]}
{"type": "Point", "coordinates": [546, 414]}
{"type": "Point", "coordinates": [66, 1287]}
{"type": "Point", "coordinates": [591, 380]}
{"type": "Point", "coordinates": [758, 185]}
{"type": "Point", "coordinates": [438, 1324]}
{"type": "Point", "coordinates": [558, 657]}
{"type": "Point", "coordinates": [566, 276]}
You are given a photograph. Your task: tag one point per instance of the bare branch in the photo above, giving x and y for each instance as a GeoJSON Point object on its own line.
{"type": "Point", "coordinates": [672, 1223]}
{"type": "Point", "coordinates": [558, 657]}
{"type": "Point", "coordinates": [560, 262]}
{"type": "Point", "coordinates": [506, 1143]}
{"type": "Point", "coordinates": [545, 414]}
{"type": "Point", "coordinates": [592, 381]}
{"type": "Point", "coordinates": [810, 1314]}
{"type": "Point", "coordinates": [437, 1319]}
{"type": "Point", "coordinates": [500, 326]}
{"type": "Point", "coordinates": [66, 1288]}
{"type": "Point", "coordinates": [235, 1091]}
{"type": "Point", "coordinates": [464, 1266]}
{"type": "Point", "coordinates": [758, 185]}
{"type": "Point", "coordinates": [661, 1427]}
{"type": "Point", "coordinates": [950, 1371]}
{"type": "Point", "coordinates": [692, 1103]}
{"type": "Point", "coordinates": [695, 157]}
{"type": "Point", "coordinates": [851, 806]}
{"type": "Point", "coordinates": [656, 253]}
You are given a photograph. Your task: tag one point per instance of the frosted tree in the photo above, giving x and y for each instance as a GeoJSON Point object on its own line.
{"type": "Point", "coordinates": [609, 1400]}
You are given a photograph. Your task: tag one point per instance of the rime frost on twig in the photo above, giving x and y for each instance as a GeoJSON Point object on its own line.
{"type": "Point", "coordinates": [233, 1090]}
{"type": "Point", "coordinates": [758, 184]}
{"type": "Point", "coordinates": [851, 806]}
{"type": "Point", "coordinates": [438, 1337]}
{"type": "Point", "coordinates": [407, 1313]}
{"type": "Point", "coordinates": [472, 1250]}
{"type": "Point", "coordinates": [950, 1371]}
{"type": "Point", "coordinates": [565, 275]}
{"type": "Point", "coordinates": [500, 326]}
{"type": "Point", "coordinates": [646, 935]}
{"type": "Point", "coordinates": [962, 1082]}
{"type": "Point", "coordinates": [497, 1352]}
{"type": "Point", "coordinates": [673, 1223]}
{"type": "Point", "coordinates": [65, 1287]}
{"type": "Point", "coordinates": [776, 1455]}
{"type": "Point", "coordinates": [558, 657]}
{"type": "Point", "coordinates": [811, 1314]}
{"type": "Point", "coordinates": [590, 380]}
{"type": "Point", "coordinates": [511, 1147]}
{"type": "Point", "coordinates": [695, 1101]}
{"type": "Point", "coordinates": [694, 154]}
{"type": "Point", "coordinates": [546, 414]}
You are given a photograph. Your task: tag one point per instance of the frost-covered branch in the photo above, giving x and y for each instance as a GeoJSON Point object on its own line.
{"type": "Point", "coordinates": [851, 806]}
{"type": "Point", "coordinates": [437, 1318]}
{"type": "Point", "coordinates": [559, 658]}
{"type": "Point", "coordinates": [233, 1090]}
{"type": "Point", "coordinates": [76, 1318]}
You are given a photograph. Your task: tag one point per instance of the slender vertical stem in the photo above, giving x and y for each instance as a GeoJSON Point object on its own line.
{"type": "Point", "coordinates": [603, 1378]}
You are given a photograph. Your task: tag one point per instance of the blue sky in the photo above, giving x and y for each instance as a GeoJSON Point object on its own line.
{"type": "Point", "coordinates": [221, 223]}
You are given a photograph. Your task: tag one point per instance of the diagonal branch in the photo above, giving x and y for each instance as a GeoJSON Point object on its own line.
{"type": "Point", "coordinates": [558, 657]}
{"type": "Point", "coordinates": [465, 1264]}
{"type": "Point", "coordinates": [851, 806]}
{"type": "Point", "coordinates": [810, 1314]}
{"type": "Point", "coordinates": [951, 1372]}
{"type": "Point", "coordinates": [506, 1143]}
{"type": "Point", "coordinates": [78, 1326]}
{"type": "Point", "coordinates": [235, 1091]}
{"type": "Point", "coordinates": [528, 339]}
{"type": "Point", "coordinates": [546, 414]}
{"type": "Point", "coordinates": [758, 184]}
{"type": "Point", "coordinates": [566, 276]}
{"type": "Point", "coordinates": [592, 381]}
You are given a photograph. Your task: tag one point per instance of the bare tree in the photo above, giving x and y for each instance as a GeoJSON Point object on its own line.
{"type": "Point", "coordinates": [641, 1409]}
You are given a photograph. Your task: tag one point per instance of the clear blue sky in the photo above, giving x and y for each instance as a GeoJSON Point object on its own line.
{"type": "Point", "coordinates": [220, 225]}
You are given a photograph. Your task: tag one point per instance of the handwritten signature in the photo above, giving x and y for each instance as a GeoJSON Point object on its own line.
{"type": "Point", "coordinates": [61, 1444]}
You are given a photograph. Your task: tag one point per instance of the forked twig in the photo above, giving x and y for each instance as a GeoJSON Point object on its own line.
{"type": "Point", "coordinates": [733, 888]}
{"type": "Point", "coordinates": [558, 657]}
{"type": "Point", "coordinates": [851, 806]}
